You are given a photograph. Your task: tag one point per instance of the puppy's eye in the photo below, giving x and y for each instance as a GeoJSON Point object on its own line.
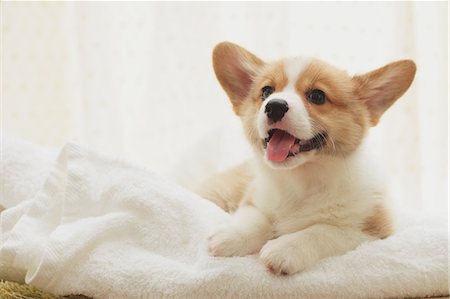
{"type": "Point", "coordinates": [316, 96]}
{"type": "Point", "coordinates": [266, 91]}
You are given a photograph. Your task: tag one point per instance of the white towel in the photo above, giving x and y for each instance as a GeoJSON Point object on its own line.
{"type": "Point", "coordinates": [105, 229]}
{"type": "Point", "coordinates": [24, 168]}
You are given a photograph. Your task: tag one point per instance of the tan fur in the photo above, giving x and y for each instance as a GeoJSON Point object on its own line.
{"type": "Point", "coordinates": [227, 189]}
{"type": "Point", "coordinates": [379, 223]}
{"type": "Point", "coordinates": [272, 74]}
{"type": "Point", "coordinates": [341, 109]}
{"type": "Point", "coordinates": [358, 100]}
{"type": "Point", "coordinates": [373, 88]}
{"type": "Point", "coordinates": [237, 67]}
{"type": "Point", "coordinates": [343, 105]}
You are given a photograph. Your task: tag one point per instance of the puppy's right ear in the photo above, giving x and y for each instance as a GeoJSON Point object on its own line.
{"type": "Point", "coordinates": [235, 69]}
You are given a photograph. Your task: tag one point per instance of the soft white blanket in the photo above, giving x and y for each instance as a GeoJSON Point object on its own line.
{"type": "Point", "coordinates": [106, 229]}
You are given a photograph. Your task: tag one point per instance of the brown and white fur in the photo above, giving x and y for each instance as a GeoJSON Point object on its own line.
{"type": "Point", "coordinates": [317, 203]}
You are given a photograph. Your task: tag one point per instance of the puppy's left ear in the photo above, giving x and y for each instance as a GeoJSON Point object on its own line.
{"type": "Point", "coordinates": [380, 88]}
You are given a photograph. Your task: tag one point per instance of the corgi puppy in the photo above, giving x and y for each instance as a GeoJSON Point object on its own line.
{"type": "Point", "coordinates": [310, 192]}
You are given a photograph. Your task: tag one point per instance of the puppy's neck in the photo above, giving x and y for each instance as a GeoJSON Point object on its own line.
{"type": "Point", "coordinates": [322, 172]}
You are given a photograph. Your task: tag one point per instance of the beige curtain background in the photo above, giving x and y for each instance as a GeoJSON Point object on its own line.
{"type": "Point", "coordinates": [134, 80]}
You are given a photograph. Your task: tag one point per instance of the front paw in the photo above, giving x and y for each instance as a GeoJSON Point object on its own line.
{"type": "Point", "coordinates": [283, 257]}
{"type": "Point", "coordinates": [226, 242]}
{"type": "Point", "coordinates": [230, 241]}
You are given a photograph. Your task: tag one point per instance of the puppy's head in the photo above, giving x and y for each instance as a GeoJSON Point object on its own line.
{"type": "Point", "coordinates": [297, 109]}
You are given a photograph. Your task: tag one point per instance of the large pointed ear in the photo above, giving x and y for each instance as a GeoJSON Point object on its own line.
{"type": "Point", "coordinates": [380, 88]}
{"type": "Point", "coordinates": [235, 69]}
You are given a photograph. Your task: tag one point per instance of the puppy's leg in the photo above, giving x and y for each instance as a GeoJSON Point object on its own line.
{"type": "Point", "coordinates": [297, 251]}
{"type": "Point", "coordinates": [247, 233]}
{"type": "Point", "coordinates": [226, 189]}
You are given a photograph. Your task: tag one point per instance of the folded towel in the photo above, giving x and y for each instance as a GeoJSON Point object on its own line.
{"type": "Point", "coordinates": [24, 168]}
{"type": "Point", "coordinates": [107, 229]}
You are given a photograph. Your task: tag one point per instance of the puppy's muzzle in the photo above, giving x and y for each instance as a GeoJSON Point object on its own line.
{"type": "Point", "coordinates": [276, 109]}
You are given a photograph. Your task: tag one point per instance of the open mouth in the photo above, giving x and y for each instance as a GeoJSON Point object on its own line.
{"type": "Point", "coordinates": [281, 145]}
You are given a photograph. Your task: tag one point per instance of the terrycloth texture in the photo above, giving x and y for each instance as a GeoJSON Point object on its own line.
{"type": "Point", "coordinates": [24, 168]}
{"type": "Point", "coordinates": [106, 229]}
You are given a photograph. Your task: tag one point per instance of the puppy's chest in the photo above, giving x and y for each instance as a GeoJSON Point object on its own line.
{"type": "Point", "coordinates": [292, 208]}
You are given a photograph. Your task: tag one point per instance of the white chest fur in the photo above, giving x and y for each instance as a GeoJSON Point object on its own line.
{"type": "Point", "coordinates": [336, 191]}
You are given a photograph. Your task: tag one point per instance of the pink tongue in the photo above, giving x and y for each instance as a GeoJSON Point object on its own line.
{"type": "Point", "coordinates": [279, 146]}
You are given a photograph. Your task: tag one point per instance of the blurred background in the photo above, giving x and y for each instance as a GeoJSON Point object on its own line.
{"type": "Point", "coordinates": [134, 80]}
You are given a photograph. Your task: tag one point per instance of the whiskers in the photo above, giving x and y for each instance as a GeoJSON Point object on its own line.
{"type": "Point", "coordinates": [324, 135]}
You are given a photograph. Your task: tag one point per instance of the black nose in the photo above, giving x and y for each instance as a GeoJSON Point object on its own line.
{"type": "Point", "coordinates": [276, 109]}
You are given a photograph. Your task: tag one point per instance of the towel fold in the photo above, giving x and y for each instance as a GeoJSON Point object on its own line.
{"type": "Point", "coordinates": [106, 229]}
